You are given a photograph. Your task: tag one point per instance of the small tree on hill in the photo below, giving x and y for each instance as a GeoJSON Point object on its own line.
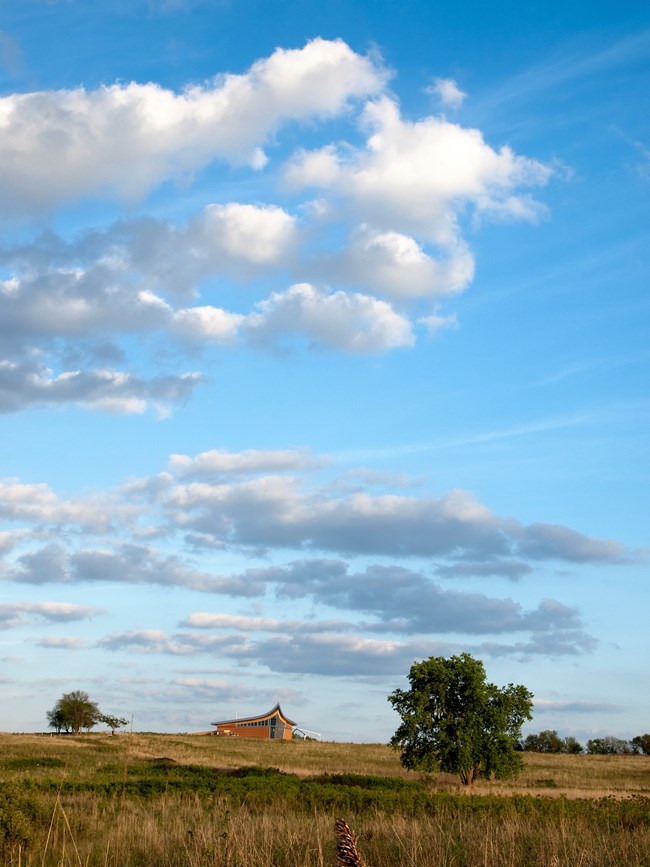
{"type": "Point", "coordinates": [454, 721]}
{"type": "Point", "coordinates": [642, 744]}
{"type": "Point", "coordinates": [113, 722]}
{"type": "Point", "coordinates": [73, 712]}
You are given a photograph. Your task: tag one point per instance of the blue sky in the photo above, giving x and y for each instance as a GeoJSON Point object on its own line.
{"type": "Point", "coordinates": [323, 349]}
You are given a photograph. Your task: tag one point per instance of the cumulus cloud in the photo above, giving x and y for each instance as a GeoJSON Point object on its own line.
{"type": "Point", "coordinates": [397, 600]}
{"type": "Point", "coordinates": [9, 539]}
{"type": "Point", "coordinates": [71, 303]}
{"type": "Point", "coordinates": [69, 286]}
{"type": "Point", "coordinates": [551, 541]}
{"type": "Point", "coordinates": [229, 499]}
{"type": "Point", "coordinates": [350, 322]}
{"type": "Point", "coordinates": [448, 92]}
{"type": "Point", "coordinates": [274, 511]}
{"type": "Point", "coordinates": [164, 134]}
{"type": "Point", "coordinates": [28, 384]}
{"type": "Point", "coordinates": [41, 506]}
{"type": "Point", "coordinates": [324, 653]}
{"type": "Point", "coordinates": [145, 641]}
{"type": "Point", "coordinates": [68, 306]}
{"type": "Point", "coordinates": [23, 613]}
{"type": "Point", "coordinates": [556, 644]}
{"type": "Point", "coordinates": [406, 601]}
{"type": "Point", "coordinates": [384, 240]}
{"type": "Point", "coordinates": [395, 266]}
{"type": "Point", "coordinates": [416, 177]}
{"type": "Point", "coordinates": [333, 655]}
{"type": "Point", "coordinates": [316, 654]}
{"type": "Point", "coordinates": [128, 564]}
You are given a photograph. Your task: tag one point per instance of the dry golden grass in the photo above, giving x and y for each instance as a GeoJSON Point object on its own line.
{"type": "Point", "coordinates": [90, 829]}
{"type": "Point", "coordinates": [582, 776]}
{"type": "Point", "coordinates": [164, 832]}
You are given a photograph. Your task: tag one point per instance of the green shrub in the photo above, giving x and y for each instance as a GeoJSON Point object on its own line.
{"type": "Point", "coordinates": [21, 816]}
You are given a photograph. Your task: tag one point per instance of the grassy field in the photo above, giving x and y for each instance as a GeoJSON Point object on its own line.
{"type": "Point", "coordinates": [146, 800]}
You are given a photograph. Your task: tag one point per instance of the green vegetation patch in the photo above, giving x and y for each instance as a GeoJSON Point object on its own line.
{"type": "Point", "coordinates": [20, 818]}
{"type": "Point", "coordinates": [348, 794]}
{"type": "Point", "coordinates": [28, 763]}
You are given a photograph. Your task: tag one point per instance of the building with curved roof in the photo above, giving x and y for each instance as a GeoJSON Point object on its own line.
{"type": "Point", "coordinates": [273, 725]}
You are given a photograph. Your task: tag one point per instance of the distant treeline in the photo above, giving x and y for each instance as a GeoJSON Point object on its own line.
{"type": "Point", "coordinates": [549, 741]}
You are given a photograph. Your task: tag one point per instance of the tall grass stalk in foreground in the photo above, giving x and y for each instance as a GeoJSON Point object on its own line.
{"type": "Point", "coordinates": [346, 846]}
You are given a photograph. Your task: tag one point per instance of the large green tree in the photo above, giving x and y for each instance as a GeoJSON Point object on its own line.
{"type": "Point", "coordinates": [73, 712]}
{"type": "Point", "coordinates": [453, 720]}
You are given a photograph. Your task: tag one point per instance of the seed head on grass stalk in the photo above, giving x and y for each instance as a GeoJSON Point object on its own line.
{"type": "Point", "coordinates": [346, 846]}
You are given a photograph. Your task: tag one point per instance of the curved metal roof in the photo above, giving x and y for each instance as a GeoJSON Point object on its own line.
{"type": "Point", "coordinates": [275, 711]}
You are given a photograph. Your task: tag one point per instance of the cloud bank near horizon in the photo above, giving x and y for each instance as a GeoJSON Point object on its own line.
{"type": "Point", "coordinates": [330, 550]}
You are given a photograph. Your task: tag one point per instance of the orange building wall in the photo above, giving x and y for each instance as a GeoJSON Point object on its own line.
{"type": "Point", "coordinates": [260, 732]}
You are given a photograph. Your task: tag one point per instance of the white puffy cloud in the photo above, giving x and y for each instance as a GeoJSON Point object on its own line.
{"type": "Point", "coordinates": [395, 266]}
{"type": "Point", "coordinates": [228, 499]}
{"type": "Point", "coordinates": [248, 233]}
{"type": "Point", "coordinates": [347, 321]}
{"type": "Point", "coordinates": [163, 134]}
{"type": "Point", "coordinates": [275, 512]}
{"type": "Point", "coordinates": [331, 653]}
{"type": "Point", "coordinates": [115, 391]}
{"type": "Point", "coordinates": [9, 539]}
{"type": "Point", "coordinates": [69, 305]}
{"type": "Point", "coordinates": [206, 324]}
{"type": "Point", "coordinates": [550, 541]}
{"type": "Point", "coordinates": [114, 281]}
{"type": "Point", "coordinates": [128, 563]}
{"type": "Point", "coordinates": [40, 505]}
{"type": "Point", "coordinates": [69, 308]}
{"type": "Point", "coordinates": [206, 620]}
{"type": "Point", "coordinates": [448, 92]}
{"type": "Point", "coordinates": [417, 177]}
{"type": "Point", "coordinates": [146, 641]}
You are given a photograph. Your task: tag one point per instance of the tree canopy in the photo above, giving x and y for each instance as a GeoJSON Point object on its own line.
{"type": "Point", "coordinates": [73, 712]}
{"type": "Point", "coordinates": [642, 744]}
{"type": "Point", "coordinates": [112, 721]}
{"type": "Point", "coordinates": [548, 741]}
{"type": "Point", "coordinates": [455, 721]}
{"type": "Point", "coordinates": [612, 746]}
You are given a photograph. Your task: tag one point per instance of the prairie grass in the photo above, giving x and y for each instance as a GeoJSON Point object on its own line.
{"type": "Point", "coordinates": [153, 800]}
